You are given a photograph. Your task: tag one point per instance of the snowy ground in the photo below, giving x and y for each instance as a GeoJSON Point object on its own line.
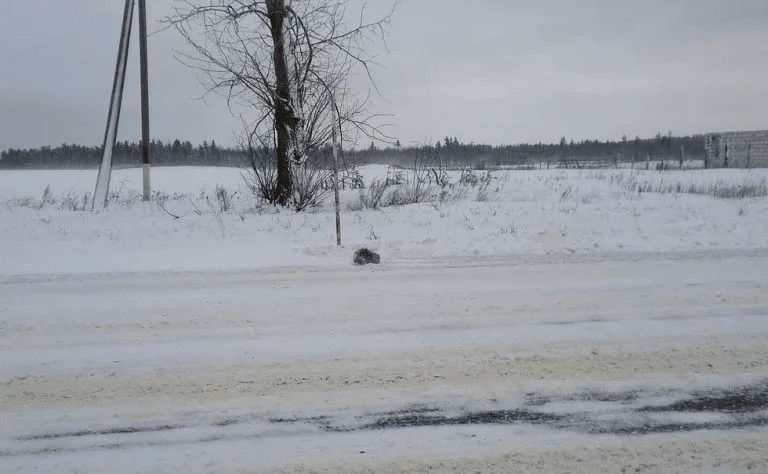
{"type": "Point", "coordinates": [578, 320]}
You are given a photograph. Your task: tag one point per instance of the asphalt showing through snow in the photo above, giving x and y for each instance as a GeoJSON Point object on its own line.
{"type": "Point", "coordinates": [630, 412]}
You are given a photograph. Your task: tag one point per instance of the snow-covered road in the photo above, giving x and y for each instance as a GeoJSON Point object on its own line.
{"type": "Point", "coordinates": [451, 363]}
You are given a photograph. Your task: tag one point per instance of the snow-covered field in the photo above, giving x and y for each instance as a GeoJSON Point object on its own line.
{"type": "Point", "coordinates": [524, 212]}
{"type": "Point", "coordinates": [551, 320]}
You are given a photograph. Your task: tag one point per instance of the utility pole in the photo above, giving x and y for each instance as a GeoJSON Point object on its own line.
{"type": "Point", "coordinates": [144, 97]}
{"type": "Point", "coordinates": [113, 117]}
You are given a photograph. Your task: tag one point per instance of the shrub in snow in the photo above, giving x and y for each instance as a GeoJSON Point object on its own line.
{"type": "Point", "coordinates": [350, 179]}
{"type": "Point", "coordinates": [47, 198]}
{"type": "Point", "coordinates": [224, 198]}
{"type": "Point", "coordinates": [261, 178]}
{"type": "Point", "coordinates": [308, 186]}
{"type": "Point", "coordinates": [371, 197]}
{"type": "Point", "coordinates": [363, 256]}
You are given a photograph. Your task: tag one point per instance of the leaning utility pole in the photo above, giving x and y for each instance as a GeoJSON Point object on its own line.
{"type": "Point", "coordinates": [113, 117]}
{"type": "Point", "coordinates": [110, 135]}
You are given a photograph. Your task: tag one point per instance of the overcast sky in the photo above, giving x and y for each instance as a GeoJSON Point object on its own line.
{"type": "Point", "coordinates": [488, 71]}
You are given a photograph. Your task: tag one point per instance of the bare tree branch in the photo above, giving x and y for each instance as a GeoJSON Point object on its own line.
{"type": "Point", "coordinates": [290, 61]}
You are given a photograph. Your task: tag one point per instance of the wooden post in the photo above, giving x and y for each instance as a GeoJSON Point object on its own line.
{"type": "Point", "coordinates": [336, 175]}
{"type": "Point", "coordinates": [682, 155]}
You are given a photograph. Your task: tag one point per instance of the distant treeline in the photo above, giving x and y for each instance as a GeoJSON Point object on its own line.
{"type": "Point", "coordinates": [448, 153]}
{"type": "Point", "coordinates": [124, 155]}
{"type": "Point", "coordinates": [567, 154]}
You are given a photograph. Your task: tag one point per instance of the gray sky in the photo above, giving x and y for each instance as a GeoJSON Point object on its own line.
{"type": "Point", "coordinates": [488, 71]}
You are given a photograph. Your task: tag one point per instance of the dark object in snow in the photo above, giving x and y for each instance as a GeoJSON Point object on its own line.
{"type": "Point", "coordinates": [363, 256]}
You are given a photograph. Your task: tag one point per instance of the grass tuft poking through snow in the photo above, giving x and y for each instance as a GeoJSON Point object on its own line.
{"type": "Point", "coordinates": [738, 185]}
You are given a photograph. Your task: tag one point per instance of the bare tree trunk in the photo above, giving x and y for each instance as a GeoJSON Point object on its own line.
{"type": "Point", "coordinates": [285, 119]}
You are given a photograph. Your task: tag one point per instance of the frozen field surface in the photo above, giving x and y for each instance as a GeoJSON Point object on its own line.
{"type": "Point", "coordinates": [561, 322]}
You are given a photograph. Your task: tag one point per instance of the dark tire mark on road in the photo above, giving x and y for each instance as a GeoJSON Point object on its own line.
{"type": "Point", "coordinates": [592, 412]}
{"type": "Point", "coordinates": [739, 400]}
{"type": "Point", "coordinates": [736, 406]}
{"type": "Point", "coordinates": [107, 431]}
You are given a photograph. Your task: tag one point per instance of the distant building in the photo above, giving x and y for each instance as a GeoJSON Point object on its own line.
{"type": "Point", "coordinates": [736, 149]}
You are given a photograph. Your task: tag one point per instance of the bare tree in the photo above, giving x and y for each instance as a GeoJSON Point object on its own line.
{"type": "Point", "coordinates": [290, 61]}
